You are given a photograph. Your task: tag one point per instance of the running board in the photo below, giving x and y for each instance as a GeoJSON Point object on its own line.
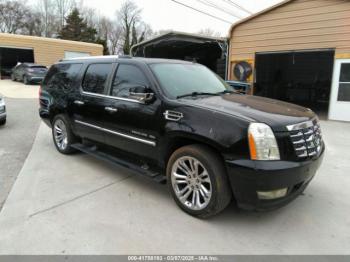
{"type": "Point", "coordinates": [93, 151]}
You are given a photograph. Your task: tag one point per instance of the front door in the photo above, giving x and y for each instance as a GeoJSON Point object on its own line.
{"type": "Point", "coordinates": [131, 125]}
{"type": "Point", "coordinates": [340, 94]}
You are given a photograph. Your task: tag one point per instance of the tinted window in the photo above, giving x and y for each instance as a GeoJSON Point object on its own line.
{"type": "Point", "coordinates": [96, 78]}
{"type": "Point", "coordinates": [344, 93]}
{"type": "Point", "coordinates": [345, 73]}
{"type": "Point", "coordinates": [182, 79]}
{"type": "Point", "coordinates": [126, 77]}
{"type": "Point", "coordinates": [62, 76]}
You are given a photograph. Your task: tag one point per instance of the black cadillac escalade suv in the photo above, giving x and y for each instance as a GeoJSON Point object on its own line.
{"type": "Point", "coordinates": [177, 118]}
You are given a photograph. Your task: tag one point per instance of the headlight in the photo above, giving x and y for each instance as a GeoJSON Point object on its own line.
{"type": "Point", "coordinates": [262, 142]}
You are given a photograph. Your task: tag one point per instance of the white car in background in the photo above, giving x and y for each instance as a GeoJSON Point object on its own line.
{"type": "Point", "coordinates": [2, 111]}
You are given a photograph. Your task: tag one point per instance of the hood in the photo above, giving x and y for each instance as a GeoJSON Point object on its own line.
{"type": "Point", "coordinates": [275, 113]}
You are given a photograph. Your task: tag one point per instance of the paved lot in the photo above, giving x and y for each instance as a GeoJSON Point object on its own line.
{"type": "Point", "coordinates": [79, 205]}
{"type": "Point", "coordinates": [17, 136]}
{"type": "Point", "coordinates": [12, 89]}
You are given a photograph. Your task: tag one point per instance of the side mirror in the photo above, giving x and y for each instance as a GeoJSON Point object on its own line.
{"type": "Point", "coordinates": [142, 93]}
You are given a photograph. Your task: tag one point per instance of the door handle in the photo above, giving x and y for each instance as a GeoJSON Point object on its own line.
{"type": "Point", "coordinates": [111, 109]}
{"type": "Point", "coordinates": [79, 103]}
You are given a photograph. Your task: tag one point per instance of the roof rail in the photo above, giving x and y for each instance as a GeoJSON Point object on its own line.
{"type": "Point", "coordinates": [92, 57]}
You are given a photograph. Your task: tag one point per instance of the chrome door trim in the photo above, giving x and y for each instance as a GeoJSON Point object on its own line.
{"type": "Point", "coordinates": [144, 141]}
{"type": "Point", "coordinates": [113, 97]}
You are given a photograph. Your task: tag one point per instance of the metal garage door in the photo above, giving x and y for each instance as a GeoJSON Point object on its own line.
{"type": "Point", "coordinates": [10, 57]}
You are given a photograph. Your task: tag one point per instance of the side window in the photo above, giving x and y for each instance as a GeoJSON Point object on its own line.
{"type": "Point", "coordinates": [62, 76]}
{"type": "Point", "coordinates": [96, 78]}
{"type": "Point", "coordinates": [127, 76]}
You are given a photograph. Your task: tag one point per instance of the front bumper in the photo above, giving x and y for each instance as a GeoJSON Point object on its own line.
{"type": "Point", "coordinates": [248, 177]}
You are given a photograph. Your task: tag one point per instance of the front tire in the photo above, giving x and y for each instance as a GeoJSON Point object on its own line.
{"type": "Point", "coordinates": [3, 122]}
{"type": "Point", "coordinates": [198, 181]}
{"type": "Point", "coordinates": [63, 136]}
{"type": "Point", "coordinates": [25, 80]}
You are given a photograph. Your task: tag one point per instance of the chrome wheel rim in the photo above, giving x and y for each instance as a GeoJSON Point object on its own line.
{"type": "Point", "coordinates": [60, 134]}
{"type": "Point", "coordinates": [191, 183]}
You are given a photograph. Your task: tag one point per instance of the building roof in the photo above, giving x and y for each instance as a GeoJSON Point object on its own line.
{"type": "Point", "coordinates": [257, 14]}
{"type": "Point", "coordinates": [46, 39]}
{"type": "Point", "coordinates": [180, 34]}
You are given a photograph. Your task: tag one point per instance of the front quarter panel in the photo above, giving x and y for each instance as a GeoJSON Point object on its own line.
{"type": "Point", "coordinates": [225, 133]}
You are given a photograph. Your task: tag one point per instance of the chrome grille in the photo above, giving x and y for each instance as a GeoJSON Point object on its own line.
{"type": "Point", "coordinates": [306, 138]}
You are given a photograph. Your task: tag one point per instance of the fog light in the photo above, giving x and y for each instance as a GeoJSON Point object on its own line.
{"type": "Point", "coordinates": [268, 195]}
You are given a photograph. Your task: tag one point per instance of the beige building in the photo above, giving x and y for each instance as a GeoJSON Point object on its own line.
{"type": "Point", "coordinates": [299, 51]}
{"type": "Point", "coordinates": [45, 51]}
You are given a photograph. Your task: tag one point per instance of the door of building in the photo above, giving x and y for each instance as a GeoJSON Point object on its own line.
{"type": "Point", "coordinates": [340, 93]}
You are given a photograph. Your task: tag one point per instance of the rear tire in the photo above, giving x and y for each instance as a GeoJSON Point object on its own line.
{"type": "Point", "coordinates": [3, 122]}
{"type": "Point", "coordinates": [198, 181]}
{"type": "Point", "coordinates": [62, 135]}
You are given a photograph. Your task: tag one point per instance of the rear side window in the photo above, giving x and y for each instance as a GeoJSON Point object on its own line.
{"type": "Point", "coordinates": [95, 79]}
{"type": "Point", "coordinates": [62, 76]}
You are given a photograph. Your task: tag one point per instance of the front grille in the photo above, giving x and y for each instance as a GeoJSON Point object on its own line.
{"type": "Point", "coordinates": [306, 138]}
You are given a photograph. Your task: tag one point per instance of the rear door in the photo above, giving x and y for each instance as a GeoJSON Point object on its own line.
{"type": "Point", "coordinates": [88, 108]}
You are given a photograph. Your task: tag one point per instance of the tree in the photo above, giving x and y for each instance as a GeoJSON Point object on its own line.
{"type": "Point", "coordinates": [63, 8]}
{"type": "Point", "coordinates": [76, 29]}
{"type": "Point", "coordinates": [33, 24]}
{"type": "Point", "coordinates": [129, 15]}
{"type": "Point", "coordinates": [115, 38]}
{"type": "Point", "coordinates": [12, 16]}
{"type": "Point", "coordinates": [47, 14]}
{"type": "Point", "coordinates": [103, 42]}
{"type": "Point", "coordinates": [209, 32]}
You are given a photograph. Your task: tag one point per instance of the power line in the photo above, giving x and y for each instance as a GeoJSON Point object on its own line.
{"type": "Point", "coordinates": [238, 6]}
{"type": "Point", "coordinates": [202, 12]}
{"type": "Point", "coordinates": [211, 4]}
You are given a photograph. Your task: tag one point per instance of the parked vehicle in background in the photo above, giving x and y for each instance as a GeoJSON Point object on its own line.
{"type": "Point", "coordinates": [158, 116]}
{"type": "Point", "coordinates": [2, 111]}
{"type": "Point", "coordinates": [29, 73]}
{"type": "Point", "coordinates": [5, 72]}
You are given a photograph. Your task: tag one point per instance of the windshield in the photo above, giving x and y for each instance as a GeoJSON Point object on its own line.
{"type": "Point", "coordinates": [179, 80]}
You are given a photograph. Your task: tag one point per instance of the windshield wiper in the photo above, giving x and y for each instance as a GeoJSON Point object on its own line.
{"type": "Point", "coordinates": [194, 94]}
{"type": "Point", "coordinates": [227, 92]}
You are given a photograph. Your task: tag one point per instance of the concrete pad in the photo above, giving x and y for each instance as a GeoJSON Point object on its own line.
{"type": "Point", "coordinates": [79, 205]}
{"type": "Point", "coordinates": [16, 140]}
{"type": "Point", "coordinates": [13, 89]}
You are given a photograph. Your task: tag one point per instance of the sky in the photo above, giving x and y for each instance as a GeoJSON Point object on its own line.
{"type": "Point", "coordinates": [166, 14]}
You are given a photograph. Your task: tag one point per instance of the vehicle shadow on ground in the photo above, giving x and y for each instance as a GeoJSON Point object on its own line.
{"type": "Point", "coordinates": [231, 215]}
